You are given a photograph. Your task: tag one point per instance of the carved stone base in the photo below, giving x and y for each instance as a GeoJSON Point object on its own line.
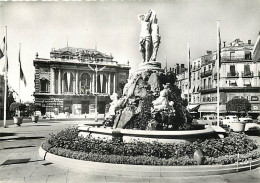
{"type": "Point", "coordinates": [153, 65]}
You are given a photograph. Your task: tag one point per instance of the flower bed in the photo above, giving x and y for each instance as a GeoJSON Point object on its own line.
{"type": "Point", "coordinates": [67, 143]}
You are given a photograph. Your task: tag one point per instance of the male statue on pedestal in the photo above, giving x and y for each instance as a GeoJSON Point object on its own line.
{"type": "Point", "coordinates": [149, 36]}
{"type": "Point", "coordinates": [145, 35]}
{"type": "Point", "coordinates": [156, 38]}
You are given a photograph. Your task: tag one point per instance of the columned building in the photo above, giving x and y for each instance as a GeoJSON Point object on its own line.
{"type": "Point", "coordinates": [73, 77]}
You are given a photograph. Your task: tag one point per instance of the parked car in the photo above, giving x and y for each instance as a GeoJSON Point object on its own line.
{"type": "Point", "coordinates": [229, 119]}
{"type": "Point", "coordinates": [246, 119]}
{"type": "Point", "coordinates": [209, 120]}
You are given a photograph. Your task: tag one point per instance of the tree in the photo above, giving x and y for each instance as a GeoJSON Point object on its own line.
{"type": "Point", "coordinates": [238, 105]}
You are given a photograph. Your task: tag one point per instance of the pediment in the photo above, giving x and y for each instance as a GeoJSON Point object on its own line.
{"type": "Point", "coordinates": [66, 53]}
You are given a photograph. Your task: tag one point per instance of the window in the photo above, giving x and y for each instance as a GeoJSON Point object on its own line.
{"type": "Point", "coordinates": [247, 70]}
{"type": "Point", "coordinates": [85, 84]}
{"type": "Point", "coordinates": [209, 67]}
{"type": "Point", "coordinates": [248, 55]}
{"type": "Point", "coordinates": [232, 55]}
{"type": "Point", "coordinates": [44, 84]}
{"type": "Point", "coordinates": [233, 70]}
{"type": "Point", "coordinates": [194, 76]}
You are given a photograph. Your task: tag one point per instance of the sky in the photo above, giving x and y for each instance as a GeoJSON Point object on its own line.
{"type": "Point", "coordinates": [114, 28]}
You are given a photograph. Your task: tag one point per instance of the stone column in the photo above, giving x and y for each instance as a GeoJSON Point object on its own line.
{"type": "Point", "coordinates": [106, 87]}
{"type": "Point", "coordinates": [74, 85]}
{"type": "Point", "coordinates": [77, 82]}
{"type": "Point", "coordinates": [59, 82]}
{"type": "Point", "coordinates": [52, 81]}
{"type": "Point", "coordinates": [114, 83]}
{"type": "Point", "coordinates": [109, 82]}
{"type": "Point", "coordinates": [62, 85]}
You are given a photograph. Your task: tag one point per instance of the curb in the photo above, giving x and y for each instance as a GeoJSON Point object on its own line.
{"type": "Point", "coordinates": [127, 170]}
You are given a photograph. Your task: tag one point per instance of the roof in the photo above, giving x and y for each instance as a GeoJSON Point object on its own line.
{"type": "Point", "coordinates": [74, 51]}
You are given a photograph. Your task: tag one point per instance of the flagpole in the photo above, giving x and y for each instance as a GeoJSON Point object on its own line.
{"type": "Point", "coordinates": [218, 57]}
{"type": "Point", "coordinates": [19, 66]}
{"type": "Point", "coordinates": [5, 97]}
{"type": "Point", "coordinates": [188, 59]}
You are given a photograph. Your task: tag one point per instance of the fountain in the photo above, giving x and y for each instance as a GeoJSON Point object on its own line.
{"type": "Point", "coordinates": [147, 131]}
{"type": "Point", "coordinates": [151, 107]}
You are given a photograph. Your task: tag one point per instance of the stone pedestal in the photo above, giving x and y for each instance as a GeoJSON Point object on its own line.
{"type": "Point", "coordinates": [153, 65]}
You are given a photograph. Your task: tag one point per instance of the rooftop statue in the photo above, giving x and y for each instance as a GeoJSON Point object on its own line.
{"type": "Point", "coordinates": [149, 36]}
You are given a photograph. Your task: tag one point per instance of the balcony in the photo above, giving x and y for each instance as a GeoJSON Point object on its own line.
{"type": "Point", "coordinates": [206, 73]}
{"type": "Point", "coordinates": [206, 87]}
{"type": "Point", "coordinates": [235, 58]}
{"type": "Point", "coordinates": [249, 74]}
{"type": "Point", "coordinates": [233, 75]}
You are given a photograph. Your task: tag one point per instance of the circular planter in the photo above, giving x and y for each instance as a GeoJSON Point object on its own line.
{"type": "Point", "coordinates": [238, 126]}
{"type": "Point", "coordinates": [18, 120]}
{"type": "Point", "coordinates": [35, 119]}
{"type": "Point", "coordinates": [127, 170]}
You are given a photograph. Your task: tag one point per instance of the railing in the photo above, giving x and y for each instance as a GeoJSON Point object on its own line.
{"type": "Point", "coordinates": [206, 87]}
{"type": "Point", "coordinates": [233, 75]}
{"type": "Point", "coordinates": [206, 73]}
{"type": "Point", "coordinates": [249, 74]}
{"type": "Point", "coordinates": [228, 58]}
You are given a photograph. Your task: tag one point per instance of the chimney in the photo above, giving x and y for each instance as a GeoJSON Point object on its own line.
{"type": "Point", "coordinates": [249, 41]}
{"type": "Point", "coordinates": [177, 69]}
{"type": "Point", "coordinates": [224, 42]}
{"type": "Point", "coordinates": [182, 68]}
{"type": "Point", "coordinates": [209, 52]}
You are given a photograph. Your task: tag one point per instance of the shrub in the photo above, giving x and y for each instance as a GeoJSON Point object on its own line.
{"type": "Point", "coordinates": [217, 151]}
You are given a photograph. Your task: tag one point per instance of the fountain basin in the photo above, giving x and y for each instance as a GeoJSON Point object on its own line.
{"type": "Point", "coordinates": [128, 135]}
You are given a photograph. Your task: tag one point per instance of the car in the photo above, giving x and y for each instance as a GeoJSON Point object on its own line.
{"type": "Point", "coordinates": [209, 120]}
{"type": "Point", "coordinates": [246, 119]}
{"type": "Point", "coordinates": [229, 119]}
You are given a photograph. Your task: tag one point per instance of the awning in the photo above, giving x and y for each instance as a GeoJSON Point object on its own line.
{"type": "Point", "coordinates": [212, 108]}
{"type": "Point", "coordinates": [255, 108]}
{"type": "Point", "coordinates": [191, 106]}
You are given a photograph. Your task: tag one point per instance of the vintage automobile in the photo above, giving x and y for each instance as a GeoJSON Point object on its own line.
{"type": "Point", "coordinates": [229, 119]}
{"type": "Point", "coordinates": [209, 120]}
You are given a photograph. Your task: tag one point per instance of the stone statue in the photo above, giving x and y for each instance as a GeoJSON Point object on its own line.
{"type": "Point", "coordinates": [162, 101]}
{"type": "Point", "coordinates": [149, 36]}
{"type": "Point", "coordinates": [145, 36]}
{"type": "Point", "coordinates": [113, 105]}
{"type": "Point", "coordinates": [156, 38]}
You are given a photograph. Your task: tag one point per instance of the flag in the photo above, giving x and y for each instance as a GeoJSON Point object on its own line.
{"type": "Point", "coordinates": [219, 46]}
{"type": "Point", "coordinates": [3, 53]}
{"type": "Point", "coordinates": [2, 49]}
{"type": "Point", "coordinates": [22, 77]}
{"type": "Point", "coordinates": [256, 49]}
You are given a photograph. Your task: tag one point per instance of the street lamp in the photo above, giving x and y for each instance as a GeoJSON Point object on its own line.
{"type": "Point", "coordinates": [56, 109]}
{"type": "Point", "coordinates": [96, 70]}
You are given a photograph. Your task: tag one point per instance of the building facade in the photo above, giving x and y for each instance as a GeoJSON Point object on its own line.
{"type": "Point", "coordinates": [239, 77]}
{"type": "Point", "coordinates": [74, 78]}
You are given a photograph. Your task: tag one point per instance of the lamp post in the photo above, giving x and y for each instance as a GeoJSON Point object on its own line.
{"type": "Point", "coordinates": [96, 70]}
{"type": "Point", "coordinates": [56, 100]}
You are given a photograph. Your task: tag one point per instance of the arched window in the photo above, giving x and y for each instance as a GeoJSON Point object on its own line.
{"type": "Point", "coordinates": [85, 83]}
{"type": "Point", "coordinates": [68, 82]}
{"type": "Point", "coordinates": [44, 85]}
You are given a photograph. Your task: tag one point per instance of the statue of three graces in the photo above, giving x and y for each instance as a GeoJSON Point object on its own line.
{"type": "Point", "coordinates": [149, 36]}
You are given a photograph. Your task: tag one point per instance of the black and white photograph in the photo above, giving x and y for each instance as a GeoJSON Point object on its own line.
{"type": "Point", "coordinates": [130, 91]}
